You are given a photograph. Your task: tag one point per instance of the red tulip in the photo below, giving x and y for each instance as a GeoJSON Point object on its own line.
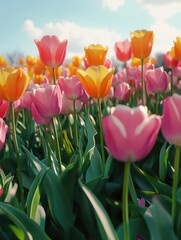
{"type": "Point", "coordinates": [169, 61]}
{"type": "Point", "coordinates": [171, 127]}
{"type": "Point", "coordinates": [130, 133]}
{"type": "Point", "coordinates": [4, 106]}
{"type": "Point", "coordinates": [123, 50]}
{"type": "Point", "coordinates": [52, 51]}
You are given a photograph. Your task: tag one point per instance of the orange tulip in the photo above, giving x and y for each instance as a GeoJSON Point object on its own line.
{"type": "Point", "coordinates": [177, 48]}
{"type": "Point", "coordinates": [96, 80]}
{"type": "Point", "coordinates": [13, 83]}
{"type": "Point", "coordinates": [142, 43]}
{"type": "Point", "coordinates": [95, 54]}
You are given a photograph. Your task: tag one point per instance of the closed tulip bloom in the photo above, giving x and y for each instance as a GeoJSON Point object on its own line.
{"type": "Point", "coordinates": [71, 87]}
{"type": "Point", "coordinates": [46, 103]}
{"type": "Point", "coordinates": [142, 43]}
{"type": "Point", "coordinates": [157, 80]}
{"type": "Point", "coordinates": [52, 51]}
{"type": "Point", "coordinates": [130, 133]}
{"type": "Point", "coordinates": [122, 91]}
{"type": "Point", "coordinates": [95, 54]}
{"type": "Point", "coordinates": [123, 50]}
{"type": "Point", "coordinates": [13, 83]}
{"type": "Point", "coordinates": [3, 132]}
{"type": "Point", "coordinates": [171, 127]}
{"type": "Point", "coordinates": [177, 48]}
{"type": "Point", "coordinates": [96, 80]}
{"type": "Point", "coordinates": [169, 61]}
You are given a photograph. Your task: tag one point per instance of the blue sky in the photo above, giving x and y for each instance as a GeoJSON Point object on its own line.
{"type": "Point", "coordinates": [85, 22]}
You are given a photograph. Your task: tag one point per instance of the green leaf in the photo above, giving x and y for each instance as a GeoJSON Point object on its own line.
{"type": "Point", "coordinates": [35, 165]}
{"type": "Point", "coordinates": [31, 230]}
{"type": "Point", "coordinates": [159, 222]}
{"type": "Point", "coordinates": [59, 204]}
{"type": "Point", "coordinates": [163, 161]}
{"type": "Point", "coordinates": [91, 132]}
{"type": "Point", "coordinates": [68, 181]}
{"type": "Point", "coordinates": [156, 184]}
{"type": "Point", "coordinates": [137, 228]}
{"type": "Point", "coordinates": [95, 169]}
{"type": "Point", "coordinates": [107, 229]}
{"type": "Point", "coordinates": [33, 197]}
{"type": "Point", "coordinates": [109, 166]}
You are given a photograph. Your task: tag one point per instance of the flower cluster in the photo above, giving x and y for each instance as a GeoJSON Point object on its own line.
{"type": "Point", "coordinates": [91, 141]}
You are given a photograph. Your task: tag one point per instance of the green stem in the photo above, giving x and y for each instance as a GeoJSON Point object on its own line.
{"type": "Point", "coordinates": [143, 97]}
{"type": "Point", "coordinates": [156, 103]}
{"type": "Point", "coordinates": [171, 83]}
{"type": "Point", "coordinates": [125, 201]}
{"type": "Point", "coordinates": [57, 144]}
{"type": "Point", "coordinates": [175, 181]}
{"type": "Point", "coordinates": [54, 76]}
{"type": "Point", "coordinates": [76, 127]}
{"type": "Point", "coordinates": [17, 157]}
{"type": "Point", "coordinates": [101, 132]}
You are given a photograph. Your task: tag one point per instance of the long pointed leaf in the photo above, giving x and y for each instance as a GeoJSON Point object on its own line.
{"type": "Point", "coordinates": [106, 224]}
{"type": "Point", "coordinates": [30, 228]}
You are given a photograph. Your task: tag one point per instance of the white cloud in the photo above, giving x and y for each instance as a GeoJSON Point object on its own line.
{"type": "Point", "coordinates": [30, 28]}
{"type": "Point", "coordinates": [165, 35]}
{"type": "Point", "coordinates": [78, 37]}
{"type": "Point", "coordinates": [161, 9]}
{"type": "Point", "coordinates": [113, 4]}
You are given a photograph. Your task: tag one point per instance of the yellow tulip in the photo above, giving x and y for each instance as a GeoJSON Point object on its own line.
{"type": "Point", "coordinates": [95, 54]}
{"type": "Point", "coordinates": [177, 48]}
{"type": "Point", "coordinates": [96, 80]}
{"type": "Point", "coordinates": [13, 83]}
{"type": "Point", "coordinates": [142, 43]}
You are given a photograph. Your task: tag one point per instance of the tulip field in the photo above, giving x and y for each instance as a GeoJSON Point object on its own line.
{"type": "Point", "coordinates": [90, 150]}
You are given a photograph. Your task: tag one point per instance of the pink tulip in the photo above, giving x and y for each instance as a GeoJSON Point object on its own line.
{"type": "Point", "coordinates": [26, 100]}
{"type": "Point", "coordinates": [123, 50]}
{"type": "Point", "coordinates": [68, 106]}
{"type": "Point", "coordinates": [130, 133]}
{"type": "Point", "coordinates": [157, 80]}
{"type": "Point", "coordinates": [46, 103]}
{"type": "Point", "coordinates": [122, 91]}
{"type": "Point", "coordinates": [4, 106]}
{"type": "Point", "coordinates": [3, 130]}
{"type": "Point", "coordinates": [71, 87]}
{"type": "Point", "coordinates": [171, 122]}
{"type": "Point", "coordinates": [52, 51]}
{"type": "Point", "coordinates": [177, 71]}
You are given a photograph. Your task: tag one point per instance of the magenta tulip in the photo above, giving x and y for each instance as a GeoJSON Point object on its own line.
{"type": "Point", "coordinates": [171, 122]}
{"type": "Point", "coordinates": [3, 130]}
{"type": "Point", "coordinates": [52, 51]}
{"type": "Point", "coordinates": [157, 80]}
{"type": "Point", "coordinates": [130, 133]}
{"type": "Point", "coordinates": [46, 103]}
